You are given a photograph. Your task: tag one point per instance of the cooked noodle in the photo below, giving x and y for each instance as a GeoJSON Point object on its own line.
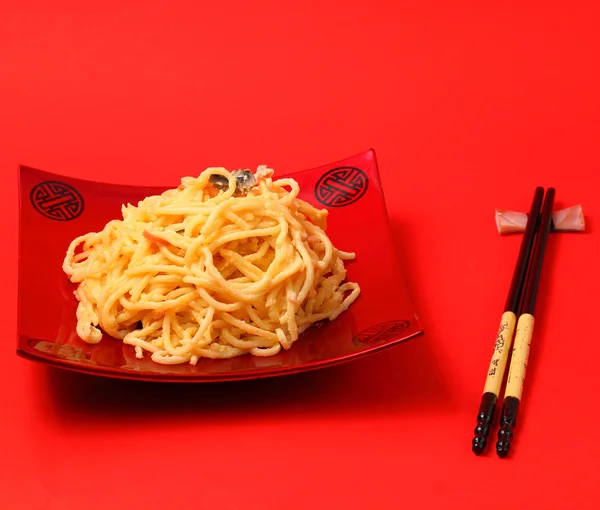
{"type": "Point", "coordinates": [204, 272]}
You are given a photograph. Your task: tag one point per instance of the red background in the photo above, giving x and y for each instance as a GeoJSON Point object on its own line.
{"type": "Point", "coordinates": [468, 106]}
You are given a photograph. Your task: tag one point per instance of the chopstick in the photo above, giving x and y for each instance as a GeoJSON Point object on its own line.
{"type": "Point", "coordinates": [499, 360]}
{"type": "Point", "coordinates": [520, 353]}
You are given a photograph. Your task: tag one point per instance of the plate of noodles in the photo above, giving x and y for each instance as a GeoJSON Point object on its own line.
{"type": "Point", "coordinates": [227, 274]}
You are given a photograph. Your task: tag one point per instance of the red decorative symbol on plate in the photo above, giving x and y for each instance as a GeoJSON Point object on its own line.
{"type": "Point", "coordinates": [341, 186]}
{"type": "Point", "coordinates": [56, 200]}
{"type": "Point", "coordinates": [380, 332]}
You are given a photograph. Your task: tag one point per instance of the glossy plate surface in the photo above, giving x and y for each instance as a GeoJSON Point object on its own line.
{"type": "Point", "coordinates": [55, 209]}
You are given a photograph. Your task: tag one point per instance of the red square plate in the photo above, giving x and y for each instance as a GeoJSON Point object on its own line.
{"type": "Point", "coordinates": [55, 209]}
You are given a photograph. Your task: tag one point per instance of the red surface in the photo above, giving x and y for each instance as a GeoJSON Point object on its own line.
{"type": "Point", "coordinates": [65, 208]}
{"type": "Point", "coordinates": [469, 107]}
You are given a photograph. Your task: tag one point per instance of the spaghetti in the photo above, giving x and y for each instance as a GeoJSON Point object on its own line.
{"type": "Point", "coordinates": [226, 264]}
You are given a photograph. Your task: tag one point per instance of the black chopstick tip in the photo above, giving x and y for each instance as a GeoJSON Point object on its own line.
{"type": "Point", "coordinates": [478, 445]}
{"type": "Point", "coordinates": [502, 450]}
{"type": "Point", "coordinates": [484, 422]}
{"type": "Point", "coordinates": [503, 445]}
{"type": "Point", "coordinates": [508, 422]}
